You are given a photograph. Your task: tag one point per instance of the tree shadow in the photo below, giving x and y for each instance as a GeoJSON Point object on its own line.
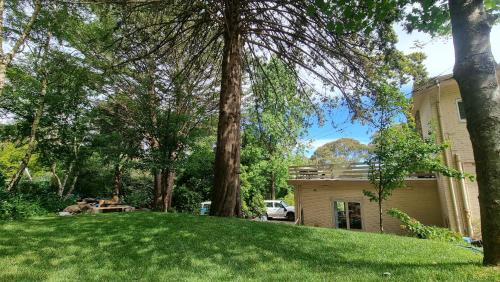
{"type": "Point", "coordinates": [154, 246]}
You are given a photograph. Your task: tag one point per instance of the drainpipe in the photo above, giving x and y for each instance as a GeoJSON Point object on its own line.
{"type": "Point", "coordinates": [470, 231]}
{"type": "Point", "coordinates": [447, 161]}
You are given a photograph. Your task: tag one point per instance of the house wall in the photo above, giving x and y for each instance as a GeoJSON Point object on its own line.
{"type": "Point", "coordinates": [429, 102]}
{"type": "Point", "coordinates": [314, 198]}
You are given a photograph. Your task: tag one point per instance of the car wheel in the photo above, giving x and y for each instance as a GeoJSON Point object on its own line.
{"type": "Point", "coordinates": [290, 216]}
{"type": "Point", "coordinates": [267, 216]}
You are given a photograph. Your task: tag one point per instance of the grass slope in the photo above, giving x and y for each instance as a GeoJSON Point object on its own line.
{"type": "Point", "coordinates": [154, 246]}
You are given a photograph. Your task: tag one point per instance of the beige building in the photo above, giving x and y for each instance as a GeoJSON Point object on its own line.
{"type": "Point", "coordinates": [329, 198]}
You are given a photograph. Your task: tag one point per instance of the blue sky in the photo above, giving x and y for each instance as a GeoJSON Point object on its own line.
{"type": "Point", "coordinates": [440, 60]}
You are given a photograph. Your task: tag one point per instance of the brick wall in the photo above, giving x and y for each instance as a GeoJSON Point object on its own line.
{"type": "Point", "coordinates": [456, 134]}
{"type": "Point", "coordinates": [420, 200]}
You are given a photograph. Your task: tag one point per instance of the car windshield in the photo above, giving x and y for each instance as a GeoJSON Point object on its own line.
{"type": "Point", "coordinates": [284, 204]}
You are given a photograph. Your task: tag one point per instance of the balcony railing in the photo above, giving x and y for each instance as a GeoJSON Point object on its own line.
{"type": "Point", "coordinates": [335, 171]}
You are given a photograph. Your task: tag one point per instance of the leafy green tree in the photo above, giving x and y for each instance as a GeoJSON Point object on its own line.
{"type": "Point", "coordinates": [15, 26]}
{"type": "Point", "coordinates": [398, 151]}
{"type": "Point", "coordinates": [276, 116]}
{"type": "Point", "coordinates": [341, 152]}
{"type": "Point", "coordinates": [38, 78]}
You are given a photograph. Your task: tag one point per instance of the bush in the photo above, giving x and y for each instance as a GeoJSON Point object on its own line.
{"type": "Point", "coordinates": [416, 229]}
{"type": "Point", "coordinates": [16, 206]}
{"type": "Point", "coordinates": [138, 191]}
{"type": "Point", "coordinates": [255, 206]}
{"type": "Point", "coordinates": [41, 191]}
{"type": "Point", "coordinates": [185, 200]}
{"type": "Point", "coordinates": [289, 199]}
{"type": "Point", "coordinates": [31, 198]}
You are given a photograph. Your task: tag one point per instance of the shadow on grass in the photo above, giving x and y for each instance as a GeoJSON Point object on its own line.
{"type": "Point", "coordinates": [154, 246]}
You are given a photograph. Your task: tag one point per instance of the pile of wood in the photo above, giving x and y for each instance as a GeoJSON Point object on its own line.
{"type": "Point", "coordinates": [98, 206]}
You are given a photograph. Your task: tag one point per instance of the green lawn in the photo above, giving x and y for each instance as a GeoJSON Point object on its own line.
{"type": "Point", "coordinates": [154, 246]}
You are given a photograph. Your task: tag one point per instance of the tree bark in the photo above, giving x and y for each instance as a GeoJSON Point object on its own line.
{"type": "Point", "coordinates": [117, 183]}
{"type": "Point", "coordinates": [380, 214]}
{"type": "Point", "coordinates": [72, 187]}
{"type": "Point", "coordinates": [6, 58]}
{"type": "Point", "coordinates": [157, 196]}
{"type": "Point", "coordinates": [168, 178]}
{"type": "Point", "coordinates": [475, 72]}
{"type": "Point", "coordinates": [32, 139]}
{"type": "Point", "coordinates": [60, 186]}
{"type": "Point", "coordinates": [273, 186]}
{"type": "Point", "coordinates": [225, 199]}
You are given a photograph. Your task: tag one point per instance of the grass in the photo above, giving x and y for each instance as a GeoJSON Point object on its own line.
{"type": "Point", "coordinates": [155, 246]}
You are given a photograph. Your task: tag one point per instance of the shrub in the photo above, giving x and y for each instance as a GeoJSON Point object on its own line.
{"type": "Point", "coordinates": [185, 200]}
{"type": "Point", "coordinates": [289, 199]}
{"type": "Point", "coordinates": [16, 206]}
{"type": "Point", "coordinates": [416, 229]}
{"type": "Point", "coordinates": [41, 191]}
{"type": "Point", "coordinates": [138, 191]}
{"type": "Point", "coordinates": [31, 198]}
{"type": "Point", "coordinates": [255, 206]}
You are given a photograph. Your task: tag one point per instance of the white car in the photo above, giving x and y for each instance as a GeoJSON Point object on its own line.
{"type": "Point", "coordinates": [279, 209]}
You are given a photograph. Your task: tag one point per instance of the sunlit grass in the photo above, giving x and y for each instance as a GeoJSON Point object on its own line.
{"type": "Point", "coordinates": [155, 246]}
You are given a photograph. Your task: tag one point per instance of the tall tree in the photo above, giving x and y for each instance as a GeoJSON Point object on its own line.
{"type": "Point", "coordinates": [334, 46]}
{"type": "Point", "coordinates": [475, 71]}
{"type": "Point", "coordinates": [41, 72]}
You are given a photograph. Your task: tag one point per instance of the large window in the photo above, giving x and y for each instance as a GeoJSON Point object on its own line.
{"type": "Point", "coordinates": [461, 110]}
{"type": "Point", "coordinates": [347, 215]}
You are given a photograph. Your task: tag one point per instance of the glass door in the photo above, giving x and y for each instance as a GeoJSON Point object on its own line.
{"type": "Point", "coordinates": [347, 215]}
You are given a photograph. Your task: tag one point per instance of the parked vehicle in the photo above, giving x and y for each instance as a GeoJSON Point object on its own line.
{"type": "Point", "coordinates": [279, 209]}
{"type": "Point", "coordinates": [205, 208]}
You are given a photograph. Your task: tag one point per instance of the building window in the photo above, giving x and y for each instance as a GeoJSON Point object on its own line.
{"type": "Point", "coordinates": [347, 215]}
{"type": "Point", "coordinates": [461, 110]}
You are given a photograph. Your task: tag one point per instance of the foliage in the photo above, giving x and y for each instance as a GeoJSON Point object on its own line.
{"type": "Point", "coordinates": [196, 172]}
{"type": "Point", "coordinates": [275, 117]}
{"type": "Point", "coordinates": [398, 150]}
{"type": "Point", "coordinates": [253, 206]}
{"type": "Point", "coordinates": [174, 246]}
{"type": "Point", "coordinates": [185, 200]}
{"type": "Point", "coordinates": [417, 229]}
{"type": "Point", "coordinates": [342, 152]}
{"type": "Point", "coordinates": [17, 206]}
{"type": "Point", "coordinates": [10, 154]}
{"type": "Point", "coordinates": [137, 190]}
{"type": "Point", "coordinates": [289, 199]}
{"type": "Point", "coordinates": [32, 198]}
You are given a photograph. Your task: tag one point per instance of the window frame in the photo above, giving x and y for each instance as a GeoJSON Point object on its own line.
{"type": "Point", "coordinates": [458, 110]}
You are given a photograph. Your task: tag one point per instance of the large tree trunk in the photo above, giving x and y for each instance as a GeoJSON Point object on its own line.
{"type": "Point", "coordinates": [32, 139]}
{"type": "Point", "coordinates": [157, 196]}
{"type": "Point", "coordinates": [168, 187]}
{"type": "Point", "coordinates": [227, 161]}
{"type": "Point", "coordinates": [475, 72]}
